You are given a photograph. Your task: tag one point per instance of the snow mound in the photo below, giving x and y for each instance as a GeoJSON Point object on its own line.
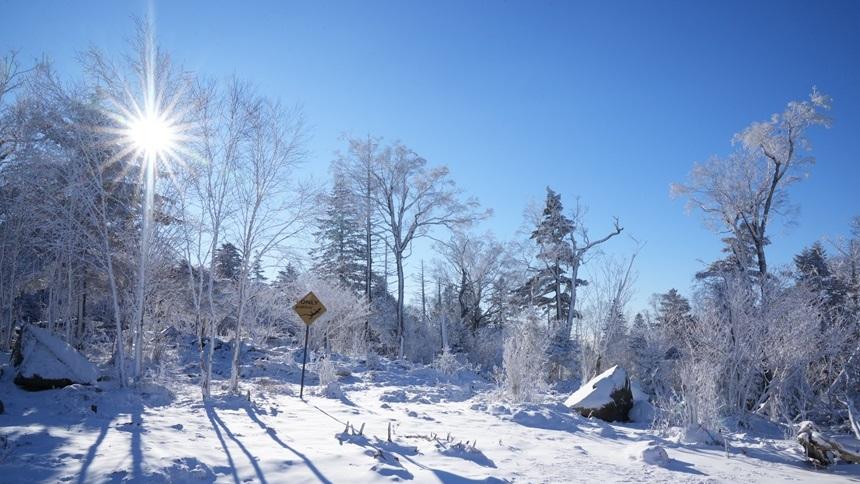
{"type": "Point", "coordinates": [546, 417]}
{"type": "Point", "coordinates": [467, 451]}
{"type": "Point", "coordinates": [649, 453]}
{"type": "Point", "coordinates": [607, 396]}
{"type": "Point", "coordinates": [642, 411]}
{"type": "Point", "coordinates": [45, 361]}
{"type": "Point", "coordinates": [697, 434]}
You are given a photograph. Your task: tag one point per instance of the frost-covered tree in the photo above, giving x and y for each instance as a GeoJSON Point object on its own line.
{"type": "Point", "coordinates": [549, 286]}
{"type": "Point", "coordinates": [476, 262]}
{"type": "Point", "coordinates": [673, 316]}
{"type": "Point", "coordinates": [411, 200]}
{"type": "Point", "coordinates": [270, 205]}
{"type": "Point", "coordinates": [814, 273]}
{"type": "Point", "coordinates": [645, 353]}
{"type": "Point", "coordinates": [340, 237]}
{"type": "Point", "coordinates": [228, 262]}
{"type": "Point", "coordinates": [743, 192]}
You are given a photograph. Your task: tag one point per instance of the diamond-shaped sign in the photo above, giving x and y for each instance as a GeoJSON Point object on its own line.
{"type": "Point", "coordinates": [309, 308]}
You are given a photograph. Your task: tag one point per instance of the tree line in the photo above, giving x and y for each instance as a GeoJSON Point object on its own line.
{"type": "Point", "coordinates": [225, 258]}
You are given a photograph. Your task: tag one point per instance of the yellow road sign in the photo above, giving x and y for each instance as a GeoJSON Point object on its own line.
{"type": "Point", "coordinates": [309, 308]}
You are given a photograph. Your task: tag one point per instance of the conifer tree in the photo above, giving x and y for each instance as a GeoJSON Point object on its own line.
{"type": "Point", "coordinates": [228, 262]}
{"type": "Point", "coordinates": [341, 250]}
{"type": "Point", "coordinates": [549, 287]}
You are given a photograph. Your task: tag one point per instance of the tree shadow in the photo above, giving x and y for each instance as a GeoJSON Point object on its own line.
{"type": "Point", "coordinates": [218, 422]}
{"type": "Point", "coordinates": [91, 452]}
{"type": "Point", "coordinates": [210, 413]}
{"type": "Point", "coordinates": [450, 478]}
{"type": "Point", "coordinates": [272, 433]}
{"type": "Point", "coordinates": [681, 466]}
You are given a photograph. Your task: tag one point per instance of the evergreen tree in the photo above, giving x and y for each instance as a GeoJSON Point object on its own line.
{"type": "Point", "coordinates": [549, 287]}
{"type": "Point", "coordinates": [674, 318]}
{"type": "Point", "coordinates": [257, 273]}
{"type": "Point", "coordinates": [341, 250]}
{"type": "Point", "coordinates": [228, 262]}
{"type": "Point", "coordinates": [644, 352]}
{"type": "Point", "coordinates": [287, 275]}
{"type": "Point", "coordinates": [813, 272]}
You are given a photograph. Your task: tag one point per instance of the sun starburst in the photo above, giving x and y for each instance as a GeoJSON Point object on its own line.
{"type": "Point", "coordinates": [150, 124]}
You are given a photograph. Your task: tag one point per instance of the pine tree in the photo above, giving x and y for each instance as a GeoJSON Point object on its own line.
{"type": "Point", "coordinates": [644, 353]}
{"type": "Point", "coordinates": [341, 250]}
{"type": "Point", "coordinates": [814, 273]}
{"type": "Point", "coordinates": [257, 273]}
{"type": "Point", "coordinates": [549, 287]}
{"type": "Point", "coordinates": [673, 312]}
{"type": "Point", "coordinates": [287, 275]}
{"type": "Point", "coordinates": [228, 262]}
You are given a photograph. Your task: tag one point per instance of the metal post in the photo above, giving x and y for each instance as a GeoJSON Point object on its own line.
{"type": "Point", "coordinates": [304, 360]}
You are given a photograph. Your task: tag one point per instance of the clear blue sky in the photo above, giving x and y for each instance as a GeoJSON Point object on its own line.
{"type": "Point", "coordinates": [611, 101]}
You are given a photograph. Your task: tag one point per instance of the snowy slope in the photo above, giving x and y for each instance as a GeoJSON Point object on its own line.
{"type": "Point", "coordinates": [443, 430]}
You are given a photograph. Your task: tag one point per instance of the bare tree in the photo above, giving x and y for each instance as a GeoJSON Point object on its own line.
{"type": "Point", "coordinates": [742, 192]}
{"type": "Point", "coordinates": [581, 244]}
{"type": "Point", "coordinates": [269, 202]}
{"type": "Point", "coordinates": [224, 125]}
{"type": "Point", "coordinates": [477, 261]}
{"type": "Point", "coordinates": [411, 199]}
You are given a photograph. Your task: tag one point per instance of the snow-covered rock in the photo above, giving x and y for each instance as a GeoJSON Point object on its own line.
{"type": "Point", "coordinates": [45, 361]}
{"type": "Point", "coordinates": [649, 453]}
{"type": "Point", "coordinates": [607, 396]}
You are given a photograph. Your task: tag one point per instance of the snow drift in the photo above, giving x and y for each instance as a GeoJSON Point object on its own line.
{"type": "Point", "coordinates": [44, 361]}
{"type": "Point", "coordinates": [607, 396]}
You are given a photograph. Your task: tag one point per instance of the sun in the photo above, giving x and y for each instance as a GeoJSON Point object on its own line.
{"type": "Point", "coordinates": [150, 114]}
{"type": "Point", "coordinates": [152, 135]}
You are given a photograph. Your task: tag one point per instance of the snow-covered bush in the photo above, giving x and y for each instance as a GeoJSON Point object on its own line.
{"type": "Point", "coordinates": [327, 372]}
{"type": "Point", "coordinates": [446, 363]}
{"type": "Point", "coordinates": [524, 361]}
{"type": "Point", "coordinates": [342, 328]}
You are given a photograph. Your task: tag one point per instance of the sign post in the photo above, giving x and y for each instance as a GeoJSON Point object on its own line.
{"type": "Point", "coordinates": [309, 308]}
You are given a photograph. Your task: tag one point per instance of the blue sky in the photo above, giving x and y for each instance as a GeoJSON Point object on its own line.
{"type": "Point", "coordinates": [609, 101]}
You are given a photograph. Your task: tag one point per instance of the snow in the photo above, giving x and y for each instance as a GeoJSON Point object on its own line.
{"type": "Point", "coordinates": [642, 411]}
{"type": "Point", "coordinates": [598, 391]}
{"type": "Point", "coordinates": [649, 453]}
{"type": "Point", "coordinates": [51, 358]}
{"type": "Point", "coordinates": [397, 422]}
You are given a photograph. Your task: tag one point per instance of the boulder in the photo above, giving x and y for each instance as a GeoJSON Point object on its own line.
{"type": "Point", "coordinates": [607, 396]}
{"type": "Point", "coordinates": [44, 361]}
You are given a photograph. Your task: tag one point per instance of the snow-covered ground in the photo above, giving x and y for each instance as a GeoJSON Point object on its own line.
{"type": "Point", "coordinates": [443, 429]}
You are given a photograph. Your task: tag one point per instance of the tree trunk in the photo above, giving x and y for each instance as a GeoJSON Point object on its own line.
{"type": "Point", "coordinates": [401, 327]}
{"type": "Point", "coordinates": [237, 337]}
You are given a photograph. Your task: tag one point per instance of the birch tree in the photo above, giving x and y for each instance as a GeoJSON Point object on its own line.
{"type": "Point", "coordinates": [270, 203]}
{"type": "Point", "coordinates": [224, 125]}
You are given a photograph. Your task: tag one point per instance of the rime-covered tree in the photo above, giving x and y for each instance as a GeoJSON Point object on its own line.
{"type": "Point", "coordinates": [287, 275]}
{"type": "Point", "coordinates": [814, 273]}
{"type": "Point", "coordinates": [743, 192]}
{"type": "Point", "coordinates": [411, 199]}
{"type": "Point", "coordinates": [549, 286]}
{"type": "Point", "coordinates": [340, 253]}
{"type": "Point", "coordinates": [228, 262]}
